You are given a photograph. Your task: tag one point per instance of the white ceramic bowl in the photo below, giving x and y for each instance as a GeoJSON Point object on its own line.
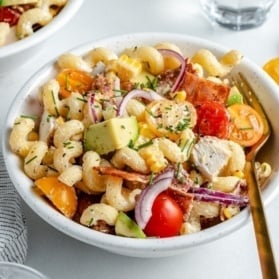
{"type": "Point", "coordinates": [267, 92]}
{"type": "Point", "coordinates": [17, 53]}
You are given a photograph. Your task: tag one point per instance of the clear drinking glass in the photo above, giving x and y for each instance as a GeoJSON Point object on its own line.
{"type": "Point", "coordinates": [237, 14]}
{"type": "Point", "coordinates": [10, 270]}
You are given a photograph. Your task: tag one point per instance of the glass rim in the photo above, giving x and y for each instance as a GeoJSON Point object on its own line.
{"type": "Point", "coordinates": [22, 267]}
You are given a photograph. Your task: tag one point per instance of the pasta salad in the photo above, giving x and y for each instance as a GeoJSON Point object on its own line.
{"type": "Point", "coordinates": [21, 18]}
{"type": "Point", "coordinates": [142, 143]}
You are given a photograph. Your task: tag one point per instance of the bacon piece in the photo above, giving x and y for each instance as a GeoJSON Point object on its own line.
{"type": "Point", "coordinates": [102, 84]}
{"type": "Point", "coordinates": [130, 176]}
{"type": "Point", "coordinates": [200, 90]}
{"type": "Point", "coordinates": [102, 226]}
{"type": "Point", "coordinates": [183, 199]}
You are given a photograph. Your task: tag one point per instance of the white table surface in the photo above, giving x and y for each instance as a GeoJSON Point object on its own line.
{"type": "Point", "coordinates": [60, 256]}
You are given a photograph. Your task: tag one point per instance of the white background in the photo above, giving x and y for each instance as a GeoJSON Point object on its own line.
{"type": "Point", "coordinates": [60, 256]}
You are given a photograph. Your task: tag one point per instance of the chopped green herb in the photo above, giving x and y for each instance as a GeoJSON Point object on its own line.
{"type": "Point", "coordinates": [34, 117]}
{"type": "Point", "coordinates": [145, 144]}
{"type": "Point", "coordinates": [54, 101]}
{"type": "Point", "coordinates": [183, 125]}
{"type": "Point", "coordinates": [53, 169]}
{"type": "Point", "coordinates": [123, 92]}
{"type": "Point", "coordinates": [151, 178]}
{"type": "Point", "coordinates": [30, 160]}
{"type": "Point", "coordinates": [152, 84]}
{"type": "Point", "coordinates": [246, 128]}
{"type": "Point", "coordinates": [196, 180]}
{"type": "Point", "coordinates": [68, 112]}
{"type": "Point", "coordinates": [90, 223]}
{"type": "Point", "coordinates": [82, 100]}
{"type": "Point", "coordinates": [131, 144]}
{"type": "Point", "coordinates": [177, 170]}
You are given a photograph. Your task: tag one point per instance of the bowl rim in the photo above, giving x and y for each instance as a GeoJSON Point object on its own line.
{"type": "Point", "coordinates": [121, 245]}
{"type": "Point", "coordinates": [70, 9]}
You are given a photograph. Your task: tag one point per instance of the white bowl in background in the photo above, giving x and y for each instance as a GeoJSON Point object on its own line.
{"type": "Point", "coordinates": [17, 53]}
{"type": "Point", "coordinates": [268, 94]}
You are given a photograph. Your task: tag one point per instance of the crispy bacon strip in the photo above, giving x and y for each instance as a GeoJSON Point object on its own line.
{"type": "Point", "coordinates": [183, 199]}
{"type": "Point", "coordinates": [200, 90]}
{"type": "Point", "coordinates": [130, 176]}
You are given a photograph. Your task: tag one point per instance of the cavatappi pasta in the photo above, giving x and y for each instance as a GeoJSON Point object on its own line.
{"type": "Point", "coordinates": [118, 130]}
{"type": "Point", "coordinates": [21, 18]}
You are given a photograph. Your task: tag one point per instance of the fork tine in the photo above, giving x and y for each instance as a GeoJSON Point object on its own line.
{"type": "Point", "coordinates": [252, 99]}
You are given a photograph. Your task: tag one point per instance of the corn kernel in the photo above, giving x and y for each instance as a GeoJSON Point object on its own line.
{"type": "Point", "coordinates": [59, 120]}
{"type": "Point", "coordinates": [145, 131]}
{"type": "Point", "coordinates": [48, 158]}
{"type": "Point", "coordinates": [127, 67]}
{"type": "Point", "coordinates": [154, 158]}
{"type": "Point", "coordinates": [230, 211]}
{"type": "Point", "coordinates": [180, 96]}
{"type": "Point", "coordinates": [239, 174]}
{"type": "Point", "coordinates": [33, 136]}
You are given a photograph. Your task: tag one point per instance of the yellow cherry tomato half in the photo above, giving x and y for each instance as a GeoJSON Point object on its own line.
{"type": "Point", "coordinates": [62, 196]}
{"type": "Point", "coordinates": [246, 126]}
{"type": "Point", "coordinates": [73, 81]}
{"type": "Point", "coordinates": [272, 68]}
{"type": "Point", "coordinates": [169, 118]}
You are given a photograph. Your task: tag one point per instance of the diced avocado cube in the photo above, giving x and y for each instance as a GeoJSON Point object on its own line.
{"type": "Point", "coordinates": [16, 2]}
{"type": "Point", "coordinates": [111, 134]}
{"type": "Point", "coordinates": [235, 97]}
{"type": "Point", "coordinates": [125, 226]}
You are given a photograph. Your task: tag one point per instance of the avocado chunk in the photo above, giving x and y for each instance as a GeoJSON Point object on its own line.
{"type": "Point", "coordinates": [125, 226]}
{"type": "Point", "coordinates": [235, 97]}
{"type": "Point", "coordinates": [111, 134]}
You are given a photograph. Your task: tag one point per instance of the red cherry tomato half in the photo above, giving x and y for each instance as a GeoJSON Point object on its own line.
{"type": "Point", "coordinates": [213, 120]}
{"type": "Point", "coordinates": [9, 15]}
{"type": "Point", "coordinates": [166, 219]}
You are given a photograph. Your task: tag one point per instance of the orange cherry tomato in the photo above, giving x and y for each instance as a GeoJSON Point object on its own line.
{"type": "Point", "coordinates": [74, 81]}
{"type": "Point", "coordinates": [166, 219]}
{"type": "Point", "coordinates": [272, 68]}
{"type": "Point", "coordinates": [62, 196]}
{"type": "Point", "coordinates": [246, 125]}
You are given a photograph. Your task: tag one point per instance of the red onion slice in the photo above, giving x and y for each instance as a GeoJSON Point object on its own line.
{"type": "Point", "coordinates": [208, 195]}
{"type": "Point", "coordinates": [143, 209]}
{"type": "Point", "coordinates": [180, 58]}
{"type": "Point", "coordinates": [137, 93]}
{"type": "Point", "coordinates": [91, 109]}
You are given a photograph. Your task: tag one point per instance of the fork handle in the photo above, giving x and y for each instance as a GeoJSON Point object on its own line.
{"type": "Point", "coordinates": [265, 252]}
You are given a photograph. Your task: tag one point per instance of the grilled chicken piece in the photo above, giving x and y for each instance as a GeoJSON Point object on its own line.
{"type": "Point", "coordinates": [211, 155]}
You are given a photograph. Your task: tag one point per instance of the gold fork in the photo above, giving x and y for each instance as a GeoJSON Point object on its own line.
{"type": "Point", "coordinates": [265, 252]}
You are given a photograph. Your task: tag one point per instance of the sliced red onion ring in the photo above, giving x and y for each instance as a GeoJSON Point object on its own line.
{"type": "Point", "coordinates": [91, 109]}
{"type": "Point", "coordinates": [178, 56]}
{"type": "Point", "coordinates": [137, 93]}
{"type": "Point", "coordinates": [204, 194]}
{"type": "Point", "coordinates": [143, 209]}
